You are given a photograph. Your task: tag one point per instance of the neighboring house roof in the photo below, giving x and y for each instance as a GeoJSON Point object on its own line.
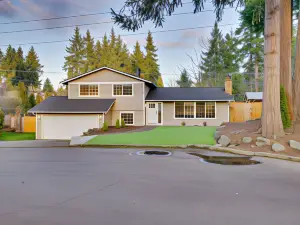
{"type": "Point", "coordinates": [113, 70]}
{"type": "Point", "coordinates": [254, 95]}
{"type": "Point", "coordinates": [189, 94]}
{"type": "Point", "coordinates": [61, 104]}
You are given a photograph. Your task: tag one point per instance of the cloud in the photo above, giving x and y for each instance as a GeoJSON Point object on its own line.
{"type": "Point", "coordinates": [7, 9]}
{"type": "Point", "coordinates": [176, 44]}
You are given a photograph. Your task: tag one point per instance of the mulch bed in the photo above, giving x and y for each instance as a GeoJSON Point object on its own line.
{"type": "Point", "coordinates": [236, 131]}
{"type": "Point", "coordinates": [112, 130]}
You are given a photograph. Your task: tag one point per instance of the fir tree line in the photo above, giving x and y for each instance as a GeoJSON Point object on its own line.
{"type": "Point", "coordinates": [84, 54]}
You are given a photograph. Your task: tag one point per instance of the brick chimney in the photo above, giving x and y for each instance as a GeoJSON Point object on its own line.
{"type": "Point", "coordinates": [228, 85]}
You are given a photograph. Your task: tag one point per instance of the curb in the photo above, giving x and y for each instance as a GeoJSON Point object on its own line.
{"type": "Point", "coordinates": [206, 147]}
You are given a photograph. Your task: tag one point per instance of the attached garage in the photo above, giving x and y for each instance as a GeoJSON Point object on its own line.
{"type": "Point", "coordinates": [61, 118]}
{"type": "Point", "coordinates": [66, 126]}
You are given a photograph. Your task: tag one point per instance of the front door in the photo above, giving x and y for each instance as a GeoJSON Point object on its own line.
{"type": "Point", "coordinates": [154, 113]}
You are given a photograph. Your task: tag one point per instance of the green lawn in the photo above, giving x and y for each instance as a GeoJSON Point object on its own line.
{"type": "Point", "coordinates": [11, 136]}
{"type": "Point", "coordinates": [159, 136]}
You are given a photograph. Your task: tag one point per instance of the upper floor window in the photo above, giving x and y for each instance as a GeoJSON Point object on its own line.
{"type": "Point", "coordinates": [122, 89]}
{"type": "Point", "coordinates": [89, 90]}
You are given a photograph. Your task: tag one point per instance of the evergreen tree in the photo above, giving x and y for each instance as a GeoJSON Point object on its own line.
{"type": "Point", "coordinates": [230, 54]}
{"type": "Point", "coordinates": [33, 69]}
{"type": "Point", "coordinates": [20, 74]}
{"type": "Point", "coordinates": [105, 52]}
{"type": "Point", "coordinates": [31, 101]}
{"type": "Point", "coordinates": [151, 67]}
{"type": "Point", "coordinates": [74, 61]}
{"type": "Point", "coordinates": [160, 82]}
{"type": "Point", "coordinates": [38, 99]}
{"type": "Point", "coordinates": [124, 58]}
{"type": "Point", "coordinates": [8, 65]}
{"type": "Point", "coordinates": [212, 65]}
{"type": "Point", "coordinates": [90, 57]}
{"type": "Point", "coordinates": [184, 80]}
{"type": "Point", "coordinates": [137, 58]}
{"type": "Point", "coordinates": [98, 54]}
{"type": "Point", "coordinates": [48, 87]}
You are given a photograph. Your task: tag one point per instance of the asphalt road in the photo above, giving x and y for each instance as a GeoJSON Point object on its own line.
{"type": "Point", "coordinates": [81, 186]}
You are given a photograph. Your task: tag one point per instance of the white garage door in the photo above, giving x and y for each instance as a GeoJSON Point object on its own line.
{"type": "Point", "coordinates": [65, 126]}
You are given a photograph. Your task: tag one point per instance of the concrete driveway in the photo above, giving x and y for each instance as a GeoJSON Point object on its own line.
{"type": "Point", "coordinates": [76, 186]}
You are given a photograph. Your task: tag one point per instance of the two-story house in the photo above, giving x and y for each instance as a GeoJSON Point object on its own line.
{"type": "Point", "coordinates": [106, 94]}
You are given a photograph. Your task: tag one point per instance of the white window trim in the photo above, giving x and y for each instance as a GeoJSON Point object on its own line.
{"type": "Point", "coordinates": [195, 113]}
{"type": "Point", "coordinates": [132, 94]}
{"type": "Point", "coordinates": [127, 112]}
{"type": "Point", "coordinates": [88, 96]}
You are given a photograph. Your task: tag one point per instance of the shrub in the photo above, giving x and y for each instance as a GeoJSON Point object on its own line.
{"type": "Point", "coordinates": [204, 124]}
{"type": "Point", "coordinates": [118, 124]}
{"type": "Point", "coordinates": [1, 119]}
{"type": "Point", "coordinates": [123, 123]}
{"type": "Point", "coordinates": [105, 126]}
{"type": "Point", "coordinates": [285, 114]}
{"type": "Point", "coordinates": [182, 123]}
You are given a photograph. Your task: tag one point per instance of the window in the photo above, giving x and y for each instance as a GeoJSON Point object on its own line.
{"type": "Point", "coordinates": [179, 109]}
{"type": "Point", "coordinates": [199, 110]}
{"type": "Point", "coordinates": [123, 89]}
{"type": "Point", "coordinates": [210, 110]}
{"type": "Point", "coordinates": [152, 106]}
{"type": "Point", "coordinates": [128, 118]}
{"type": "Point", "coordinates": [189, 110]}
{"type": "Point", "coordinates": [89, 90]}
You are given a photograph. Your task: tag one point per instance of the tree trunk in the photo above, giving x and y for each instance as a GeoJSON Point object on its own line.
{"type": "Point", "coordinates": [286, 51]}
{"type": "Point", "coordinates": [271, 120]}
{"type": "Point", "coordinates": [256, 75]}
{"type": "Point", "coordinates": [297, 77]}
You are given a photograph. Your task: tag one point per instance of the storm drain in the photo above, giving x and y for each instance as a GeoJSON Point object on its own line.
{"type": "Point", "coordinates": [151, 152]}
{"type": "Point", "coordinates": [227, 160]}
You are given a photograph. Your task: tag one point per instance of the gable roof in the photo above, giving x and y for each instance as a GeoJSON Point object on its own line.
{"type": "Point", "coordinates": [188, 94]}
{"type": "Point", "coordinates": [107, 68]}
{"type": "Point", "coordinates": [61, 104]}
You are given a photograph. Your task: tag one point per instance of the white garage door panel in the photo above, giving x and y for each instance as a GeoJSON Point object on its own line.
{"type": "Point", "coordinates": [64, 127]}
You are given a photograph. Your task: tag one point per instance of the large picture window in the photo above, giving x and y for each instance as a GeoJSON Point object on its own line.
{"type": "Point", "coordinates": [122, 89]}
{"type": "Point", "coordinates": [198, 110]}
{"type": "Point", "coordinates": [89, 90]}
{"type": "Point", "coordinates": [128, 118]}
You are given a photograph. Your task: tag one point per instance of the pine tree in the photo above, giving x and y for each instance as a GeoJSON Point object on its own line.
{"type": "Point", "coordinates": [38, 99]}
{"type": "Point", "coordinates": [212, 65]}
{"type": "Point", "coordinates": [124, 59]}
{"type": "Point", "coordinates": [137, 58]}
{"type": "Point", "coordinates": [33, 69]}
{"type": "Point", "coordinates": [31, 101]}
{"type": "Point", "coordinates": [151, 67]}
{"type": "Point", "coordinates": [48, 87]}
{"type": "Point", "coordinates": [105, 55]}
{"type": "Point", "coordinates": [8, 65]}
{"type": "Point", "coordinates": [184, 80]}
{"type": "Point", "coordinates": [74, 61]}
{"type": "Point", "coordinates": [160, 82]}
{"type": "Point", "coordinates": [20, 74]}
{"type": "Point", "coordinates": [89, 55]}
{"type": "Point", "coordinates": [98, 54]}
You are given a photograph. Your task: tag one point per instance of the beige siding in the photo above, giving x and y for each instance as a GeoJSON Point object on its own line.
{"type": "Point", "coordinates": [169, 120]}
{"type": "Point", "coordinates": [107, 118]}
{"type": "Point", "coordinates": [38, 127]}
{"type": "Point", "coordinates": [138, 117]}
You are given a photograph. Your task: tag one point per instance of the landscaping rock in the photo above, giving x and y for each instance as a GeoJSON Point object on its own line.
{"type": "Point", "coordinates": [260, 144]}
{"type": "Point", "coordinates": [294, 144]}
{"type": "Point", "coordinates": [224, 140]}
{"type": "Point", "coordinates": [231, 146]}
{"type": "Point", "coordinates": [217, 135]}
{"type": "Point", "coordinates": [265, 140]}
{"type": "Point", "coordinates": [253, 146]}
{"type": "Point", "coordinates": [278, 147]}
{"type": "Point", "coordinates": [218, 145]}
{"type": "Point", "coordinates": [247, 140]}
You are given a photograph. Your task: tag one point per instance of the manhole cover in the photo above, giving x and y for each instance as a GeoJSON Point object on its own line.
{"type": "Point", "coordinates": [153, 152]}
{"type": "Point", "coordinates": [226, 160]}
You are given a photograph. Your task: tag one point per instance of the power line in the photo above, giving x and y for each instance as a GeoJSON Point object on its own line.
{"type": "Point", "coordinates": [86, 24]}
{"type": "Point", "coordinates": [67, 17]}
{"type": "Point", "coordinates": [124, 35]}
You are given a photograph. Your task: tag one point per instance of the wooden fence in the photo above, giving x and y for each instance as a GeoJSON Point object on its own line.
{"type": "Point", "coordinates": [29, 124]}
{"type": "Point", "coordinates": [243, 111]}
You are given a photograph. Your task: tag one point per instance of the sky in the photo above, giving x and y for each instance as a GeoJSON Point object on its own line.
{"type": "Point", "coordinates": [173, 47]}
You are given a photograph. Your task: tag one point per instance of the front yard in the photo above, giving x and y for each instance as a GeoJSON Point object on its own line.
{"type": "Point", "coordinates": [12, 136]}
{"type": "Point", "coordinates": [159, 136]}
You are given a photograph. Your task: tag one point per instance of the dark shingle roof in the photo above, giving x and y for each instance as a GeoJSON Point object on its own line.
{"type": "Point", "coordinates": [189, 94]}
{"type": "Point", "coordinates": [61, 104]}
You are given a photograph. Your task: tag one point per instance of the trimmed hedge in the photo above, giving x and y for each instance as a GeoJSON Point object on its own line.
{"type": "Point", "coordinates": [285, 114]}
{"type": "Point", "coordinates": [118, 124]}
